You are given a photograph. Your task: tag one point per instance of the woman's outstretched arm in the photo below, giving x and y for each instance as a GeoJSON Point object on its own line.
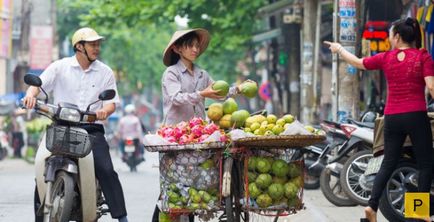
{"type": "Point", "coordinates": [347, 56]}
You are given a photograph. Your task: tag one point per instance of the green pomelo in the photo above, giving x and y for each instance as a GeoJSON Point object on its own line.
{"type": "Point", "coordinates": [252, 163]}
{"type": "Point", "coordinates": [290, 190]}
{"type": "Point", "coordinates": [263, 165]}
{"type": "Point", "coordinates": [249, 89]}
{"type": "Point", "coordinates": [280, 180]}
{"type": "Point", "coordinates": [254, 191]}
{"type": "Point", "coordinates": [225, 121]}
{"type": "Point", "coordinates": [251, 176]}
{"type": "Point", "coordinates": [221, 86]}
{"type": "Point", "coordinates": [215, 111]}
{"type": "Point", "coordinates": [264, 200]}
{"type": "Point", "coordinates": [239, 117]}
{"type": "Point", "coordinates": [275, 191]}
{"type": "Point", "coordinates": [280, 168]}
{"type": "Point", "coordinates": [207, 164]}
{"type": "Point", "coordinates": [263, 180]}
{"type": "Point", "coordinates": [294, 170]}
{"type": "Point", "coordinates": [229, 106]}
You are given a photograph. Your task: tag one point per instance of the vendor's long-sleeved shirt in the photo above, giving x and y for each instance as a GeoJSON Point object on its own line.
{"type": "Point", "coordinates": [181, 98]}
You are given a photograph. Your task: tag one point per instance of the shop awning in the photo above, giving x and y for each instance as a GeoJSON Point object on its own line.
{"type": "Point", "coordinates": [274, 8]}
{"type": "Point", "coordinates": [267, 35]}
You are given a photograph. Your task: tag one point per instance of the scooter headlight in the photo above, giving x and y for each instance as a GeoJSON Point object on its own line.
{"type": "Point", "coordinates": [68, 114]}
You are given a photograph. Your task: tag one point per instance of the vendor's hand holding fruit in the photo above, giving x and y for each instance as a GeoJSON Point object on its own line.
{"type": "Point", "coordinates": [208, 92]}
{"type": "Point", "coordinates": [239, 87]}
{"type": "Point", "coordinates": [248, 88]}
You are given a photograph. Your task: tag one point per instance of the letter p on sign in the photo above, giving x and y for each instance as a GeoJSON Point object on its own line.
{"type": "Point", "coordinates": [416, 205]}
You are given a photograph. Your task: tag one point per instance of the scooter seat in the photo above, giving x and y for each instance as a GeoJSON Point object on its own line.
{"type": "Point", "coordinates": [362, 124]}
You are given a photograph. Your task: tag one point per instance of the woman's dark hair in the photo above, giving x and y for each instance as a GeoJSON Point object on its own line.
{"type": "Point", "coordinates": [409, 30]}
{"type": "Point", "coordinates": [184, 41]}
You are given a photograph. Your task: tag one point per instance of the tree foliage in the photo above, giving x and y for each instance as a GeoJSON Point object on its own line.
{"type": "Point", "coordinates": [138, 31]}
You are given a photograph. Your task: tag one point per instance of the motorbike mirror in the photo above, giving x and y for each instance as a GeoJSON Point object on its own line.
{"type": "Point", "coordinates": [107, 94]}
{"type": "Point", "coordinates": [32, 80]}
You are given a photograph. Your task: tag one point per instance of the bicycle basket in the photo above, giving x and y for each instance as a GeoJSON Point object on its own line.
{"type": "Point", "coordinates": [71, 141]}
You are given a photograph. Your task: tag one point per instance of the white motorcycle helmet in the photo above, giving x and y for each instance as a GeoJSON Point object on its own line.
{"type": "Point", "coordinates": [129, 109]}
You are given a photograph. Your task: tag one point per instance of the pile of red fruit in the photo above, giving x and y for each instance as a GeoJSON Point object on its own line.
{"type": "Point", "coordinates": [195, 131]}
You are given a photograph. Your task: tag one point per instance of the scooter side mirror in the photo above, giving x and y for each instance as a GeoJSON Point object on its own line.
{"type": "Point", "coordinates": [107, 94]}
{"type": "Point", "coordinates": [32, 80]}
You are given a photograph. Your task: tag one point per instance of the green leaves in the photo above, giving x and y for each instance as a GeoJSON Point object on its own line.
{"type": "Point", "coordinates": [137, 31]}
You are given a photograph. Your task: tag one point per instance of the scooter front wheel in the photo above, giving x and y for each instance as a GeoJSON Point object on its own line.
{"type": "Point", "coordinates": [62, 197]}
{"type": "Point", "coordinates": [332, 190]}
{"type": "Point", "coordinates": [352, 175]}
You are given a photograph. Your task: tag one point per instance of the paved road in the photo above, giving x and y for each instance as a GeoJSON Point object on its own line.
{"type": "Point", "coordinates": [141, 190]}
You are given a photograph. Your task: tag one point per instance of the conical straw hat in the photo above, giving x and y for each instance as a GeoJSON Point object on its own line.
{"type": "Point", "coordinates": [203, 43]}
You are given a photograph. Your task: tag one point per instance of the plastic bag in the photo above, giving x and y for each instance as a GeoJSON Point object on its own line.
{"type": "Point", "coordinates": [214, 137]}
{"type": "Point", "coordinates": [237, 134]}
{"type": "Point", "coordinates": [155, 139]}
{"type": "Point", "coordinates": [296, 128]}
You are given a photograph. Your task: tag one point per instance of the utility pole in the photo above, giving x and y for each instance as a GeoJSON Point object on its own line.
{"type": "Point", "coordinates": [291, 28]}
{"type": "Point", "coordinates": [347, 84]}
{"type": "Point", "coordinates": [307, 70]}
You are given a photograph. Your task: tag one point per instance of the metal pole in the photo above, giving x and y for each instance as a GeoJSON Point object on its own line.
{"type": "Point", "coordinates": [316, 60]}
{"type": "Point", "coordinates": [335, 74]}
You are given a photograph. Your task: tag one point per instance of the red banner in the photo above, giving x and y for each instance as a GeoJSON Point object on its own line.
{"type": "Point", "coordinates": [41, 46]}
{"type": "Point", "coordinates": [5, 28]}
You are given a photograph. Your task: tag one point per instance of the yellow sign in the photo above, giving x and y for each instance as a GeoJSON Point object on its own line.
{"type": "Point", "coordinates": [416, 205]}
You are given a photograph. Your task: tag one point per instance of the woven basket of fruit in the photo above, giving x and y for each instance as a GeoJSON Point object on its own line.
{"type": "Point", "coordinates": [280, 141]}
{"type": "Point", "coordinates": [274, 181]}
{"type": "Point", "coordinates": [179, 147]}
{"type": "Point", "coordinates": [189, 181]}
{"type": "Point", "coordinates": [197, 134]}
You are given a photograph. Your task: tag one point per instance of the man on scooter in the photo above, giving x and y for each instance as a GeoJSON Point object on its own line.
{"type": "Point", "coordinates": [130, 126]}
{"type": "Point", "coordinates": [79, 80]}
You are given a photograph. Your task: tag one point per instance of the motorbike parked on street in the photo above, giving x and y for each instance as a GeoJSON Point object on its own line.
{"type": "Point", "coordinates": [65, 174]}
{"type": "Point", "coordinates": [348, 139]}
{"type": "Point", "coordinates": [352, 174]}
{"type": "Point", "coordinates": [132, 154]}
{"type": "Point", "coordinates": [313, 165]}
{"type": "Point", "coordinates": [330, 171]}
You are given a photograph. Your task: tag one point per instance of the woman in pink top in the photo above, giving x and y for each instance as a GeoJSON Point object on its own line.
{"type": "Point", "coordinates": [408, 70]}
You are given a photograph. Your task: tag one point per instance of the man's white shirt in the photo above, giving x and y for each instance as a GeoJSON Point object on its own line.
{"type": "Point", "coordinates": [70, 83]}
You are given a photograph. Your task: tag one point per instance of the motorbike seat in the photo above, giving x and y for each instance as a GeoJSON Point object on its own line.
{"type": "Point", "coordinates": [335, 124]}
{"type": "Point", "coordinates": [361, 124]}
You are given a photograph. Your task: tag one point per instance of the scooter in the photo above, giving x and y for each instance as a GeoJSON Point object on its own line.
{"type": "Point", "coordinates": [65, 175]}
{"type": "Point", "coordinates": [313, 167]}
{"type": "Point", "coordinates": [132, 153]}
{"type": "Point", "coordinates": [349, 138]}
{"type": "Point", "coordinates": [352, 174]}
{"type": "Point", "coordinates": [330, 163]}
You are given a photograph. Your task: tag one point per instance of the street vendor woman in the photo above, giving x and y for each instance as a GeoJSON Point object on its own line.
{"type": "Point", "coordinates": [186, 85]}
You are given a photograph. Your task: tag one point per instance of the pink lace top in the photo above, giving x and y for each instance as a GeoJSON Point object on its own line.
{"type": "Point", "coordinates": [405, 79]}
